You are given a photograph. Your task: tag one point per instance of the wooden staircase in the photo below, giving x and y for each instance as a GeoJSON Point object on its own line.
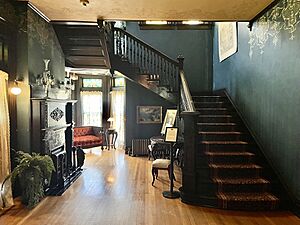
{"type": "Point", "coordinates": [231, 172]}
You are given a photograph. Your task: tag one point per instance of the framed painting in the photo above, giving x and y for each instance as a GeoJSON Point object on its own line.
{"type": "Point", "coordinates": [227, 36]}
{"type": "Point", "coordinates": [169, 120]}
{"type": "Point", "coordinates": [149, 114]}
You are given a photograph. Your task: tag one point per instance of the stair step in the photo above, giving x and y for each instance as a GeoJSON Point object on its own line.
{"type": "Point", "coordinates": [224, 146]}
{"type": "Point", "coordinates": [242, 185]}
{"type": "Point", "coordinates": [234, 166]}
{"type": "Point", "coordinates": [221, 135]}
{"type": "Point", "coordinates": [217, 127]}
{"type": "Point", "coordinates": [214, 111]}
{"type": "Point", "coordinates": [220, 104]}
{"type": "Point", "coordinates": [229, 154]}
{"type": "Point", "coordinates": [247, 170]}
{"type": "Point", "coordinates": [212, 98]}
{"type": "Point", "coordinates": [224, 142]}
{"type": "Point", "coordinates": [230, 157]}
{"type": "Point", "coordinates": [248, 201]}
{"type": "Point", "coordinates": [240, 181]}
{"type": "Point", "coordinates": [216, 118]}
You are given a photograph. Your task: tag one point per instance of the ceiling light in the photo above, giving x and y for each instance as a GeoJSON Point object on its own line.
{"type": "Point", "coordinates": [192, 22]}
{"type": "Point", "coordinates": [84, 2]}
{"type": "Point", "coordinates": [158, 22]}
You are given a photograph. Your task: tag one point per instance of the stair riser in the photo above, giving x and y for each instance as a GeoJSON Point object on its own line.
{"type": "Point", "coordinates": [209, 99]}
{"type": "Point", "coordinates": [228, 137]}
{"type": "Point", "coordinates": [223, 147]}
{"type": "Point", "coordinates": [230, 159]}
{"type": "Point", "coordinates": [219, 128]}
{"type": "Point", "coordinates": [216, 119]}
{"type": "Point", "coordinates": [236, 173]}
{"type": "Point", "coordinates": [212, 105]}
{"type": "Point", "coordinates": [250, 188]}
{"type": "Point", "coordinates": [214, 112]}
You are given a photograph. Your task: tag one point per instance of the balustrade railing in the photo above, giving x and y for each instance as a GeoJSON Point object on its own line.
{"type": "Point", "coordinates": [151, 62]}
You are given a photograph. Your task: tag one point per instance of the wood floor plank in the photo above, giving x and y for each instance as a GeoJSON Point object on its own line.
{"type": "Point", "coordinates": [115, 189]}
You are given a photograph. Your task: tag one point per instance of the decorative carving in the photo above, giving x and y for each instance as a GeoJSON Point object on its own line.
{"type": "Point", "coordinates": [54, 139]}
{"type": "Point", "coordinates": [285, 16]}
{"type": "Point", "coordinates": [57, 114]}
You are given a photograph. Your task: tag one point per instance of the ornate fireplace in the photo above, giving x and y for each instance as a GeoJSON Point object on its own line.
{"type": "Point", "coordinates": [52, 134]}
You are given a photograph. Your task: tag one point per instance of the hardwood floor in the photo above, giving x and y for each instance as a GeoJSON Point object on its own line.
{"type": "Point", "coordinates": [116, 189]}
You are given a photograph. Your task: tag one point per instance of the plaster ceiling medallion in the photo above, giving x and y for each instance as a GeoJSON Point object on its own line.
{"type": "Point", "coordinates": [155, 10]}
{"type": "Point", "coordinates": [84, 2]}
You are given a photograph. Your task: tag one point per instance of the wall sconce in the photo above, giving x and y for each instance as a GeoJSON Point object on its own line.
{"type": "Point", "coordinates": [15, 89]}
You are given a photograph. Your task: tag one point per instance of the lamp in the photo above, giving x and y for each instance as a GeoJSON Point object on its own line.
{"type": "Point", "coordinates": [111, 121]}
{"type": "Point", "coordinates": [15, 89]}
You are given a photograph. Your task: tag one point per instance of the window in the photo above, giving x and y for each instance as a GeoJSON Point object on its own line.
{"type": "Point", "coordinates": [119, 82]}
{"type": "Point", "coordinates": [91, 83]}
{"type": "Point", "coordinates": [91, 103]}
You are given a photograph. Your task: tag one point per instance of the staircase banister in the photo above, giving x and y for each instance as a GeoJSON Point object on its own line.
{"type": "Point", "coordinates": [148, 46]}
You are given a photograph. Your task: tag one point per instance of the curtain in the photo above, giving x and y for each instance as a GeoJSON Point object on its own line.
{"type": "Point", "coordinates": [91, 108]}
{"type": "Point", "coordinates": [118, 115]}
{"type": "Point", "coordinates": [6, 199]}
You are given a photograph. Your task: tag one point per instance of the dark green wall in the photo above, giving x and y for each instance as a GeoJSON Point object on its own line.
{"type": "Point", "coordinates": [137, 95]}
{"type": "Point", "coordinates": [265, 88]}
{"type": "Point", "coordinates": [35, 41]}
{"type": "Point", "coordinates": [43, 44]}
{"type": "Point", "coordinates": [194, 45]}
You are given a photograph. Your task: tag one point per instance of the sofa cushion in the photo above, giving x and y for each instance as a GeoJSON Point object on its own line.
{"type": "Point", "coordinates": [83, 131]}
{"type": "Point", "coordinates": [88, 140]}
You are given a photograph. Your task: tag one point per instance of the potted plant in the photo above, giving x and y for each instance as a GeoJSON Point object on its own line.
{"type": "Point", "coordinates": [34, 173]}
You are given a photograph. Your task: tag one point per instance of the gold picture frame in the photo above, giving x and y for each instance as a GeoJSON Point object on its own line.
{"type": "Point", "coordinates": [169, 120]}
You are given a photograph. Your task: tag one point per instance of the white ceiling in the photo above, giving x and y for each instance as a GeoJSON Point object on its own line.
{"type": "Point", "coordinates": [207, 10]}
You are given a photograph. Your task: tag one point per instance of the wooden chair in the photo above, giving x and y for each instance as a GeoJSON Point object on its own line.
{"type": "Point", "coordinates": [161, 164]}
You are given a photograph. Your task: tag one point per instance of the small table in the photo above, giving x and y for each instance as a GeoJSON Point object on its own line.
{"type": "Point", "coordinates": [110, 132]}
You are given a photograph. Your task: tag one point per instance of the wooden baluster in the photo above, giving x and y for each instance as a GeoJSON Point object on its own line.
{"type": "Point", "coordinates": [135, 51]}
{"type": "Point", "coordinates": [151, 62]}
{"type": "Point", "coordinates": [130, 49]}
{"type": "Point", "coordinates": [127, 48]}
{"type": "Point", "coordinates": [148, 61]}
{"type": "Point", "coordinates": [123, 45]}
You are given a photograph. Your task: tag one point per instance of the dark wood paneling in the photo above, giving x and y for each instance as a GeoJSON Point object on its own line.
{"type": "Point", "coordinates": [83, 46]}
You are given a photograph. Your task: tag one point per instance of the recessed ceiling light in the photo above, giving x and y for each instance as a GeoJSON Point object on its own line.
{"type": "Point", "coordinates": [153, 22]}
{"type": "Point", "coordinates": [192, 22]}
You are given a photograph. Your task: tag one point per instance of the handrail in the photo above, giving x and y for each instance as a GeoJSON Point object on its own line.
{"type": "Point", "coordinates": [188, 104]}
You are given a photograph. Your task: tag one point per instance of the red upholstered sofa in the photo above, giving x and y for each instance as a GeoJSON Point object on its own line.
{"type": "Point", "coordinates": [88, 136]}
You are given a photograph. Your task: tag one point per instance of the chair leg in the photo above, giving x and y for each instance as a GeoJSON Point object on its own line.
{"type": "Point", "coordinates": [153, 176]}
{"type": "Point", "coordinates": [156, 171]}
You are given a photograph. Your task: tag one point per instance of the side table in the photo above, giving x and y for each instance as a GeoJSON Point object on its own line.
{"type": "Point", "coordinates": [111, 137]}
